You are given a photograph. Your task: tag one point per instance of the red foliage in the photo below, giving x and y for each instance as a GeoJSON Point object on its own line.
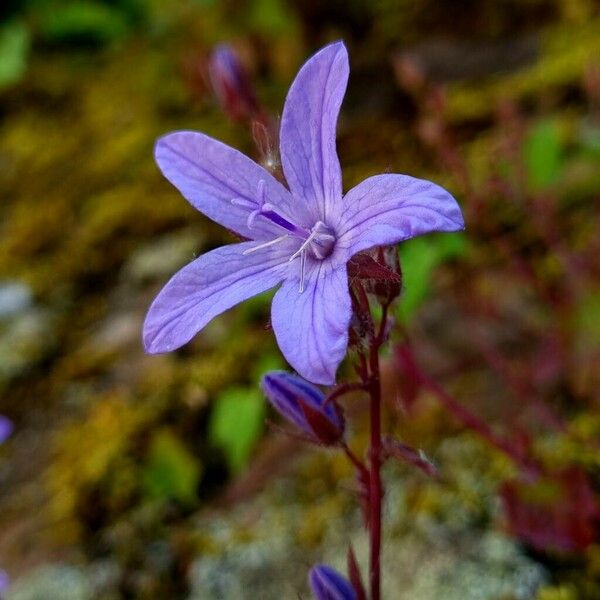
{"type": "Point", "coordinates": [559, 512]}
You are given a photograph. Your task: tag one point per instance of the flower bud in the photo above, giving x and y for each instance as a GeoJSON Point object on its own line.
{"type": "Point", "coordinates": [231, 84]}
{"type": "Point", "coordinates": [304, 406]}
{"type": "Point", "coordinates": [6, 428]}
{"type": "Point", "coordinates": [327, 584]}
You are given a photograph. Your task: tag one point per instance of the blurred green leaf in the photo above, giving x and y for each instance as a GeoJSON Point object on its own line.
{"type": "Point", "coordinates": [542, 155]}
{"type": "Point", "coordinates": [82, 22]}
{"type": "Point", "coordinates": [171, 471]}
{"type": "Point", "coordinates": [586, 318]}
{"type": "Point", "coordinates": [236, 424]}
{"type": "Point", "coordinates": [271, 17]}
{"type": "Point", "coordinates": [15, 40]}
{"type": "Point", "coordinates": [419, 258]}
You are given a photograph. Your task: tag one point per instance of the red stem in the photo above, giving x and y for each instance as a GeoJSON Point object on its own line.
{"type": "Point", "coordinates": [473, 422]}
{"type": "Point", "coordinates": [375, 459]}
{"type": "Point", "coordinates": [375, 489]}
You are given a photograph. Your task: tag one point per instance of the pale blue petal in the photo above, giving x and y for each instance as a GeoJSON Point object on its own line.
{"type": "Point", "coordinates": [311, 327]}
{"type": "Point", "coordinates": [387, 209]}
{"type": "Point", "coordinates": [308, 129]}
{"type": "Point", "coordinates": [211, 174]}
{"type": "Point", "coordinates": [207, 287]}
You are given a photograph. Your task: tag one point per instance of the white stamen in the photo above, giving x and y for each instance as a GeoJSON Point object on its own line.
{"type": "Point", "coordinates": [243, 202]}
{"type": "Point", "coordinates": [302, 265]}
{"type": "Point", "coordinates": [260, 192]}
{"type": "Point", "coordinates": [265, 245]}
{"type": "Point", "coordinates": [306, 243]}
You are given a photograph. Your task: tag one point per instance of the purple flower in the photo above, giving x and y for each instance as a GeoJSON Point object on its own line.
{"type": "Point", "coordinates": [304, 406]}
{"type": "Point", "coordinates": [6, 428]}
{"type": "Point", "coordinates": [301, 237]}
{"type": "Point", "coordinates": [327, 584]}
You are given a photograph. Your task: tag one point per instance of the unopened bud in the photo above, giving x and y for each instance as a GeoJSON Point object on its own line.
{"type": "Point", "coordinates": [231, 84]}
{"type": "Point", "coordinates": [304, 405]}
{"type": "Point", "coordinates": [6, 428]}
{"type": "Point", "coordinates": [327, 584]}
{"type": "Point", "coordinates": [4, 582]}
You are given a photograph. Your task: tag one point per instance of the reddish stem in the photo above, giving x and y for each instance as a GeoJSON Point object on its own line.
{"type": "Point", "coordinates": [473, 422]}
{"type": "Point", "coordinates": [375, 488]}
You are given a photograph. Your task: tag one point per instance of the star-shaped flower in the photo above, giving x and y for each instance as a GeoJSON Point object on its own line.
{"type": "Point", "coordinates": [301, 236]}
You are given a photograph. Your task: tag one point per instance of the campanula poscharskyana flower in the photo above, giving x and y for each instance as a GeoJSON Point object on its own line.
{"type": "Point", "coordinates": [300, 237]}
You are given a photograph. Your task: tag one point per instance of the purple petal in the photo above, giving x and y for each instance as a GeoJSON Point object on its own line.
{"type": "Point", "coordinates": [312, 327]}
{"type": "Point", "coordinates": [211, 175]}
{"type": "Point", "coordinates": [387, 209]}
{"type": "Point", "coordinates": [327, 584]}
{"type": "Point", "coordinates": [6, 428]}
{"type": "Point", "coordinates": [208, 286]}
{"type": "Point", "coordinates": [308, 128]}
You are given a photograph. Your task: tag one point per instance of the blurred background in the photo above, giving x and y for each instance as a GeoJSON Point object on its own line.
{"type": "Point", "coordinates": [132, 476]}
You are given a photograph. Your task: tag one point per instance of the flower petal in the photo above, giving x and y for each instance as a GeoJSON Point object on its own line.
{"type": "Point", "coordinates": [211, 174]}
{"type": "Point", "coordinates": [308, 127]}
{"type": "Point", "coordinates": [311, 327]}
{"type": "Point", "coordinates": [327, 584]}
{"type": "Point", "coordinates": [387, 209]}
{"type": "Point", "coordinates": [207, 287]}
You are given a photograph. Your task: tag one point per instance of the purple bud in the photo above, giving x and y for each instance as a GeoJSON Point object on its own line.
{"type": "Point", "coordinates": [6, 428]}
{"type": "Point", "coordinates": [304, 405]}
{"type": "Point", "coordinates": [4, 581]}
{"type": "Point", "coordinates": [327, 584]}
{"type": "Point", "coordinates": [231, 84]}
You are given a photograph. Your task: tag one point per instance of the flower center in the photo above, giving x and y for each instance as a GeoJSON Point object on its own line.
{"type": "Point", "coordinates": [318, 242]}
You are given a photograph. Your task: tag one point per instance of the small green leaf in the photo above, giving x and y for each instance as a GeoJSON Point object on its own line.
{"type": "Point", "coordinates": [14, 48]}
{"type": "Point", "coordinates": [171, 471]}
{"type": "Point", "coordinates": [236, 424]}
{"type": "Point", "coordinates": [83, 22]}
{"type": "Point", "coordinates": [419, 258]}
{"type": "Point", "coordinates": [542, 155]}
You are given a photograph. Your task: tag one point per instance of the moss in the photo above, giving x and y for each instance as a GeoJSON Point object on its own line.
{"type": "Point", "coordinates": [566, 51]}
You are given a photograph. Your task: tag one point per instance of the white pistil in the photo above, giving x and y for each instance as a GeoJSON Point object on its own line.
{"type": "Point", "coordinates": [266, 244]}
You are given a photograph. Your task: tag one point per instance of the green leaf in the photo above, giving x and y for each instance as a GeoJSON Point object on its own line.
{"type": "Point", "coordinates": [171, 471]}
{"type": "Point", "coordinates": [236, 423]}
{"type": "Point", "coordinates": [542, 155]}
{"type": "Point", "coordinates": [15, 40]}
{"type": "Point", "coordinates": [419, 258]}
{"type": "Point", "coordinates": [271, 17]}
{"type": "Point", "coordinates": [82, 22]}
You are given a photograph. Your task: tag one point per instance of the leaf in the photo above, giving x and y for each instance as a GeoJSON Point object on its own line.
{"type": "Point", "coordinates": [82, 22]}
{"type": "Point", "coordinates": [363, 266]}
{"type": "Point", "coordinates": [542, 155]}
{"type": "Point", "coordinates": [236, 423]}
{"type": "Point", "coordinates": [171, 471]}
{"type": "Point", "coordinates": [413, 457]}
{"type": "Point", "coordinates": [14, 48]}
{"type": "Point", "coordinates": [419, 258]}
